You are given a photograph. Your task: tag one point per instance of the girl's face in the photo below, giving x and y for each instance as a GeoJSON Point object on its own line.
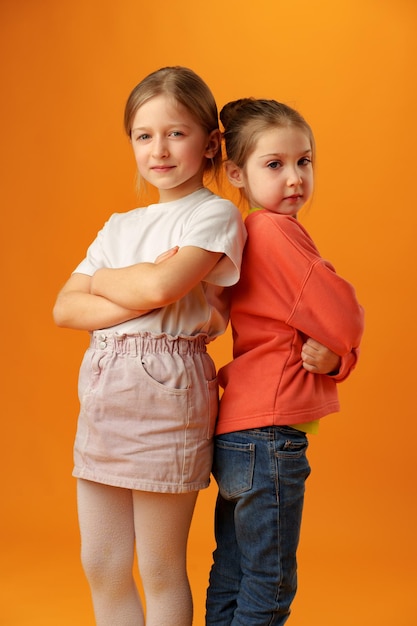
{"type": "Point", "coordinates": [278, 175]}
{"type": "Point", "coordinates": [171, 147]}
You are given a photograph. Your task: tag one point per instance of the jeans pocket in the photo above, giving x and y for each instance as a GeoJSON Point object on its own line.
{"type": "Point", "coordinates": [233, 466]}
{"type": "Point", "coordinates": [291, 454]}
{"type": "Point", "coordinates": [292, 443]}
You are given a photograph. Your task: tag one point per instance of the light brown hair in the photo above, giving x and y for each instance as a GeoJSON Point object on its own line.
{"type": "Point", "coordinates": [245, 119]}
{"type": "Point", "coordinates": [187, 88]}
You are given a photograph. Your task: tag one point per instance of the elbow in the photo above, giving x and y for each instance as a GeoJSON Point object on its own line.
{"type": "Point", "coordinates": [58, 315]}
{"type": "Point", "coordinates": [58, 319]}
{"type": "Point", "coordinates": [352, 331]}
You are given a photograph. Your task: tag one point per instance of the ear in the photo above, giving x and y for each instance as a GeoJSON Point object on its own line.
{"type": "Point", "coordinates": [234, 174]}
{"type": "Point", "coordinates": [213, 144]}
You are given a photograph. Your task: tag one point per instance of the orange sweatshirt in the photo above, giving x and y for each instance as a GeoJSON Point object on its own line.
{"type": "Point", "coordinates": [286, 294]}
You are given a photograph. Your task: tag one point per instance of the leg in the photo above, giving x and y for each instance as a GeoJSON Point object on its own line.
{"type": "Point", "coordinates": [162, 523]}
{"type": "Point", "coordinates": [107, 551]}
{"type": "Point", "coordinates": [263, 472]}
{"type": "Point", "coordinates": [226, 574]}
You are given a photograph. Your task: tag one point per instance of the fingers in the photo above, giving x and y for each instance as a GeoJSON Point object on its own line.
{"type": "Point", "coordinates": [314, 348]}
{"type": "Point", "coordinates": [311, 350]}
{"type": "Point", "coordinates": [309, 357]}
{"type": "Point", "coordinates": [310, 367]}
{"type": "Point", "coordinates": [167, 255]}
{"type": "Point", "coordinates": [319, 359]}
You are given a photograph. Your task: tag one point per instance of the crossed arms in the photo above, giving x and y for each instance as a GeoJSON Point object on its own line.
{"type": "Point", "coordinates": [112, 296]}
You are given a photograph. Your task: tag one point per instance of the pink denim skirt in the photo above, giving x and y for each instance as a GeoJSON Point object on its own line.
{"type": "Point", "coordinates": [148, 411]}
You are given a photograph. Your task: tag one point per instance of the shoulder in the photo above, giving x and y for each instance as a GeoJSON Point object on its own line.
{"type": "Point", "coordinates": [280, 231]}
{"type": "Point", "coordinates": [216, 212]}
{"type": "Point", "coordinates": [209, 200]}
{"type": "Point", "coordinates": [275, 224]}
{"type": "Point", "coordinates": [266, 219]}
{"type": "Point", "coordinates": [123, 219]}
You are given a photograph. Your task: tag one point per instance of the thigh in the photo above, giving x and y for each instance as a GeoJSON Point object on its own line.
{"type": "Point", "coordinates": [226, 573]}
{"type": "Point", "coordinates": [106, 524]}
{"type": "Point", "coordinates": [233, 469]}
{"type": "Point", "coordinates": [247, 486]}
{"type": "Point", "coordinates": [262, 470]}
{"type": "Point", "coordinates": [162, 524]}
{"type": "Point", "coordinates": [292, 470]}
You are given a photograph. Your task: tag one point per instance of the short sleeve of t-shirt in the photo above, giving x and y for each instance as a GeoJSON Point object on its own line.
{"type": "Point", "coordinates": [217, 226]}
{"type": "Point", "coordinates": [201, 219]}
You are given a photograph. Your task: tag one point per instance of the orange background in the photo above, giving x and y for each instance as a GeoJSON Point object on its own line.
{"type": "Point", "coordinates": [350, 67]}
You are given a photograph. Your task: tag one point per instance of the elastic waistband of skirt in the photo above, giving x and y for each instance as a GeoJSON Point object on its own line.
{"type": "Point", "coordinates": [141, 343]}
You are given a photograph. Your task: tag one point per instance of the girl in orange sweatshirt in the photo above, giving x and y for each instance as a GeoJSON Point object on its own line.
{"type": "Point", "coordinates": [296, 327]}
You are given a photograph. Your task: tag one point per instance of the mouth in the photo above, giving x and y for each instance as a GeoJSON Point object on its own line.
{"type": "Point", "coordinates": [161, 169]}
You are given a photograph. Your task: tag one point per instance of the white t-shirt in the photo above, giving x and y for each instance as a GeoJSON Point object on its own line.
{"type": "Point", "coordinates": [201, 219]}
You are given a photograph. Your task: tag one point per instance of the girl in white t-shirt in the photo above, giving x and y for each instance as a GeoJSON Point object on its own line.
{"type": "Point", "coordinates": [147, 387]}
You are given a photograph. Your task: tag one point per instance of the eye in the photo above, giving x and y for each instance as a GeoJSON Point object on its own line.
{"type": "Point", "coordinates": [304, 161]}
{"type": "Point", "coordinates": [274, 165]}
{"type": "Point", "coordinates": [142, 137]}
{"type": "Point", "coordinates": [176, 133]}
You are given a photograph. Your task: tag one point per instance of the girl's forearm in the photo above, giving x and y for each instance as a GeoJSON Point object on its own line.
{"type": "Point", "coordinates": [129, 287]}
{"type": "Point", "coordinates": [147, 286]}
{"type": "Point", "coordinates": [83, 311]}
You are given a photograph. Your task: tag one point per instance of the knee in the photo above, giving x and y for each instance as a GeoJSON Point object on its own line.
{"type": "Point", "coordinates": [106, 568]}
{"type": "Point", "coordinates": [95, 565]}
{"type": "Point", "coordinates": [160, 576]}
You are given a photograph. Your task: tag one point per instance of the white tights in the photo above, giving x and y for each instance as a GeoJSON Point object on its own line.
{"type": "Point", "coordinates": [111, 520]}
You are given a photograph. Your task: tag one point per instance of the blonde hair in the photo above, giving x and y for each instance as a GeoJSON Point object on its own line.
{"type": "Point", "coordinates": [187, 88]}
{"type": "Point", "coordinates": [245, 119]}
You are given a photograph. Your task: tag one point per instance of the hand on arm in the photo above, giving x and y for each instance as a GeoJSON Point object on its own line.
{"type": "Point", "coordinates": [76, 307]}
{"type": "Point", "coordinates": [147, 286]}
{"type": "Point", "coordinates": [167, 255]}
{"type": "Point", "coordinates": [318, 359]}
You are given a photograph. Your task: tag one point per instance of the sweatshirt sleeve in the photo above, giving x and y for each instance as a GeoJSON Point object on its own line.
{"type": "Point", "coordinates": [348, 362]}
{"type": "Point", "coordinates": [327, 309]}
{"type": "Point", "coordinates": [321, 304]}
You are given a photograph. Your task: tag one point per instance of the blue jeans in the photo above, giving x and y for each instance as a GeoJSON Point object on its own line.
{"type": "Point", "coordinates": [261, 475]}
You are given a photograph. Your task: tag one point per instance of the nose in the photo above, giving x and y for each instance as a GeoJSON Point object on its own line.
{"type": "Point", "coordinates": [294, 177]}
{"type": "Point", "coordinates": [159, 147]}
